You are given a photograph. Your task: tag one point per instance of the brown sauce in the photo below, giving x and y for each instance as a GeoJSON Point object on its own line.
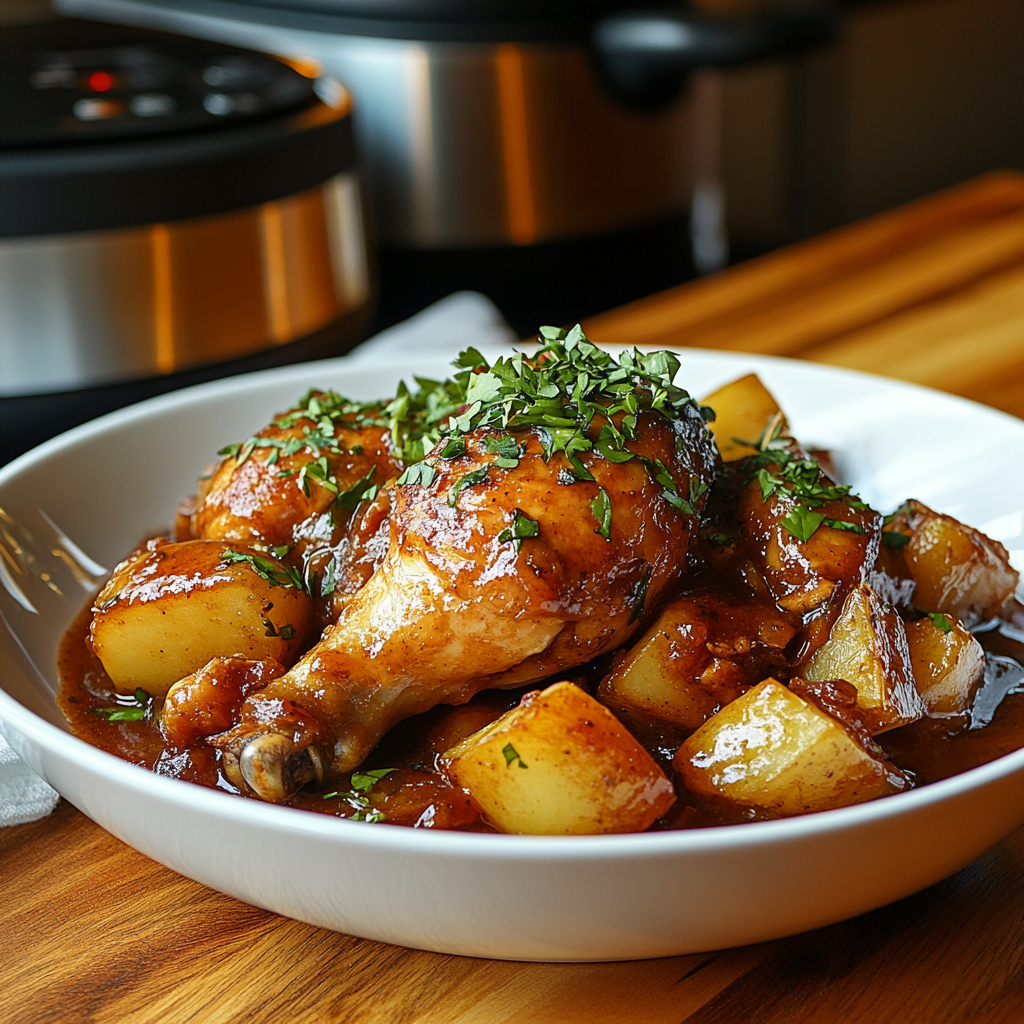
{"type": "Point", "coordinates": [415, 792]}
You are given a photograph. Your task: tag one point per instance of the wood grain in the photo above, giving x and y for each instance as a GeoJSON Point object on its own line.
{"type": "Point", "coordinates": [93, 931]}
{"type": "Point", "coordinates": [931, 293]}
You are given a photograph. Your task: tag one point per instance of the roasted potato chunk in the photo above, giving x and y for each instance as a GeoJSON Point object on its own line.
{"type": "Point", "coordinates": [868, 648]}
{"type": "Point", "coordinates": [743, 409]}
{"type": "Point", "coordinates": [560, 764]}
{"type": "Point", "coordinates": [703, 652]}
{"type": "Point", "coordinates": [170, 608]}
{"type": "Point", "coordinates": [956, 569]}
{"type": "Point", "coordinates": [773, 750]}
{"type": "Point", "coordinates": [948, 664]}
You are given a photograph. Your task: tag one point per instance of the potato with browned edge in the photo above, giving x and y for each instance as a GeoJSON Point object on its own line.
{"type": "Point", "coordinates": [948, 664]}
{"type": "Point", "coordinates": [868, 648]}
{"type": "Point", "coordinates": [171, 607]}
{"type": "Point", "coordinates": [703, 651]}
{"type": "Point", "coordinates": [743, 410]}
{"type": "Point", "coordinates": [560, 764]}
{"type": "Point", "coordinates": [956, 569]}
{"type": "Point", "coordinates": [775, 751]}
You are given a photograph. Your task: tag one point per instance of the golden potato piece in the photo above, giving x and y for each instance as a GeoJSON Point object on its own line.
{"type": "Point", "coordinates": [948, 664]}
{"type": "Point", "coordinates": [773, 750]}
{"type": "Point", "coordinates": [170, 608]}
{"type": "Point", "coordinates": [956, 569]}
{"type": "Point", "coordinates": [868, 648]}
{"type": "Point", "coordinates": [742, 411]}
{"type": "Point", "coordinates": [700, 654]}
{"type": "Point", "coordinates": [560, 764]}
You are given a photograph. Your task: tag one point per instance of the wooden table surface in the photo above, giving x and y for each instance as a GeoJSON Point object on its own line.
{"type": "Point", "coordinates": [90, 930]}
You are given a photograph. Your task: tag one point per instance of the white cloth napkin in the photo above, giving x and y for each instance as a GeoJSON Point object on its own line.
{"type": "Point", "coordinates": [460, 320]}
{"type": "Point", "coordinates": [454, 323]}
{"type": "Point", "coordinates": [24, 796]}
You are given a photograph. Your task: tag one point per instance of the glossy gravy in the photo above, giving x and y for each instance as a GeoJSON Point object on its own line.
{"type": "Point", "coordinates": [416, 793]}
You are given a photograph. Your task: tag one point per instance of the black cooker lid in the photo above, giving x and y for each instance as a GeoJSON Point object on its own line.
{"type": "Point", "coordinates": [106, 126]}
{"type": "Point", "coordinates": [69, 81]}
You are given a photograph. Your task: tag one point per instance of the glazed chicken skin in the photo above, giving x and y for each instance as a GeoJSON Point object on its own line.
{"type": "Point", "coordinates": [281, 487]}
{"type": "Point", "coordinates": [494, 577]}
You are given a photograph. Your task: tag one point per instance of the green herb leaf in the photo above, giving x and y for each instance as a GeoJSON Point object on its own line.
{"type": "Point", "coordinates": [276, 575]}
{"type": "Point", "coordinates": [641, 597]}
{"type": "Point", "coordinates": [453, 448]}
{"type": "Point", "coordinates": [419, 473]}
{"type": "Point", "coordinates": [281, 550]}
{"type": "Point", "coordinates": [511, 756]}
{"type": "Point", "coordinates": [361, 490]}
{"type": "Point", "coordinates": [522, 528]}
{"type": "Point", "coordinates": [132, 709]}
{"type": "Point", "coordinates": [802, 522]}
{"type": "Point", "coordinates": [941, 621]}
{"type": "Point", "coordinates": [120, 714]}
{"type": "Point", "coordinates": [843, 524]}
{"type": "Point", "coordinates": [477, 476]}
{"type": "Point", "coordinates": [329, 582]}
{"type": "Point", "coordinates": [365, 781]}
{"type": "Point", "coordinates": [285, 632]}
{"type": "Point", "coordinates": [506, 449]}
{"type": "Point", "coordinates": [601, 506]}
{"type": "Point", "coordinates": [895, 540]}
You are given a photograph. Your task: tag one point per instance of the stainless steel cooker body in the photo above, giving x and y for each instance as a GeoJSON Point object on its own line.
{"type": "Point", "coordinates": [88, 308]}
{"type": "Point", "coordinates": [165, 205]}
{"type": "Point", "coordinates": [470, 143]}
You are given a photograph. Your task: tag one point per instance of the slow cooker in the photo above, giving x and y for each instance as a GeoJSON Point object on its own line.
{"type": "Point", "coordinates": [542, 151]}
{"type": "Point", "coordinates": [171, 209]}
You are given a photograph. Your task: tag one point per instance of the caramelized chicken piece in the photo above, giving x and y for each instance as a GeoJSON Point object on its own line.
{"type": "Point", "coordinates": [495, 576]}
{"type": "Point", "coordinates": [295, 482]}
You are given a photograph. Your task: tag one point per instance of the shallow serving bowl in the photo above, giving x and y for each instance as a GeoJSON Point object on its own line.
{"type": "Point", "coordinates": [111, 482]}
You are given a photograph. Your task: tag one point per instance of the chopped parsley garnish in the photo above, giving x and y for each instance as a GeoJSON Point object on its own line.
{"type": "Point", "coordinates": [330, 580]}
{"type": "Point", "coordinates": [476, 476]}
{"type": "Point", "coordinates": [641, 597]}
{"type": "Point", "coordinates": [275, 575]}
{"type": "Point", "coordinates": [453, 448]}
{"type": "Point", "coordinates": [285, 632]}
{"type": "Point", "coordinates": [364, 781]}
{"type": "Point", "coordinates": [419, 473]}
{"type": "Point", "coordinates": [522, 528]}
{"type": "Point", "coordinates": [512, 755]}
{"type": "Point", "coordinates": [506, 448]}
{"type": "Point", "coordinates": [779, 471]}
{"type": "Point", "coordinates": [894, 539]}
{"type": "Point", "coordinates": [940, 621]}
{"type": "Point", "coordinates": [319, 472]}
{"type": "Point", "coordinates": [130, 709]}
{"type": "Point", "coordinates": [578, 398]}
{"type": "Point", "coordinates": [601, 506]}
{"type": "Point", "coordinates": [362, 490]}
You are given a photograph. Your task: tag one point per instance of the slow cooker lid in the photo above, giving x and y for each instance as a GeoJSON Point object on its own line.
{"type": "Point", "coordinates": [196, 128]}
{"type": "Point", "coordinates": [70, 82]}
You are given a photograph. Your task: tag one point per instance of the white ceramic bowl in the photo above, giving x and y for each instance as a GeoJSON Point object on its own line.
{"type": "Point", "coordinates": [515, 897]}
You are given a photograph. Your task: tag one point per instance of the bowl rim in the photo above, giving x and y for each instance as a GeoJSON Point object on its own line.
{"type": "Point", "coordinates": [447, 842]}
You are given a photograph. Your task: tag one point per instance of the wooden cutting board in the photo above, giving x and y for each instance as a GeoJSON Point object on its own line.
{"type": "Point", "coordinates": [92, 931]}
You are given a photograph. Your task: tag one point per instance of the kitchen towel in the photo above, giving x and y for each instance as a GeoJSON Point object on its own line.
{"type": "Point", "coordinates": [453, 323]}
{"type": "Point", "coordinates": [24, 796]}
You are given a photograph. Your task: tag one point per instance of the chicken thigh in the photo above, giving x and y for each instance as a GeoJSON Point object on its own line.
{"type": "Point", "coordinates": [508, 561]}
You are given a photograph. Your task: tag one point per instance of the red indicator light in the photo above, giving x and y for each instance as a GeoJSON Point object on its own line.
{"type": "Point", "coordinates": [101, 81]}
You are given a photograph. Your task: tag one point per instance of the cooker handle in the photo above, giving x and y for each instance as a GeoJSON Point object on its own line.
{"type": "Point", "coordinates": [647, 54]}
